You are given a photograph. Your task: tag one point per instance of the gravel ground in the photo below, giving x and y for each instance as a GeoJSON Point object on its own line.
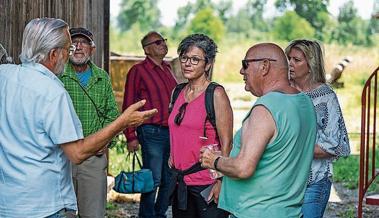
{"type": "Point", "coordinates": [126, 206]}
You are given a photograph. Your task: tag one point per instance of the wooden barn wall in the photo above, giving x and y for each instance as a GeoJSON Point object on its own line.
{"type": "Point", "coordinates": [92, 14]}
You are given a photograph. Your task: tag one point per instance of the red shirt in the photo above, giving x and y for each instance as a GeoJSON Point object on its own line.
{"type": "Point", "coordinates": [146, 80]}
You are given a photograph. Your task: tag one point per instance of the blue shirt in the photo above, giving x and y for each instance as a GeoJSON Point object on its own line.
{"type": "Point", "coordinates": [36, 115]}
{"type": "Point", "coordinates": [84, 77]}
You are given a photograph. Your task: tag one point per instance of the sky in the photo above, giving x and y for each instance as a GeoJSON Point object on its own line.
{"type": "Point", "coordinates": [169, 7]}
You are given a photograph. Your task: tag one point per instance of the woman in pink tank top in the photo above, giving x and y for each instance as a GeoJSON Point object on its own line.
{"type": "Point", "coordinates": [190, 130]}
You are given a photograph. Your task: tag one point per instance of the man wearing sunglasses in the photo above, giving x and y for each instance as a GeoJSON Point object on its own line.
{"type": "Point", "coordinates": [91, 92]}
{"type": "Point", "coordinates": [267, 171]}
{"type": "Point", "coordinates": [153, 80]}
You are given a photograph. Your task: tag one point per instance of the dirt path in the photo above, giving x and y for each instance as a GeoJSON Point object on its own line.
{"type": "Point", "coordinates": [342, 204]}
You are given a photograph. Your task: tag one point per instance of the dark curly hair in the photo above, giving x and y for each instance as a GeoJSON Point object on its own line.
{"type": "Point", "coordinates": [201, 41]}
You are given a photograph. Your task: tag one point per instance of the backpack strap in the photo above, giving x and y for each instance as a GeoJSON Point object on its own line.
{"type": "Point", "coordinates": [209, 104]}
{"type": "Point", "coordinates": [174, 95]}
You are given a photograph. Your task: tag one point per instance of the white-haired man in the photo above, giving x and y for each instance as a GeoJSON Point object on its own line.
{"type": "Point", "coordinates": [39, 129]}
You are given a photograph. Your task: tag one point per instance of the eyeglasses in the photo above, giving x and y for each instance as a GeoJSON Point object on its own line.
{"type": "Point", "coordinates": [179, 117]}
{"type": "Point", "coordinates": [157, 42]}
{"type": "Point", "coordinates": [83, 43]}
{"type": "Point", "coordinates": [71, 50]}
{"type": "Point", "coordinates": [245, 62]}
{"type": "Point", "coordinates": [193, 60]}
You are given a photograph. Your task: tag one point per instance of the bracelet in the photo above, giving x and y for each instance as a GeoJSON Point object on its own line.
{"type": "Point", "coordinates": [215, 163]}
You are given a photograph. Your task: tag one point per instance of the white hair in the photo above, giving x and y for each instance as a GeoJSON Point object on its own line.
{"type": "Point", "coordinates": [41, 35]}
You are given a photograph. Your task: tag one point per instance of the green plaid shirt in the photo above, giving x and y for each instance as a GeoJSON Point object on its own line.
{"type": "Point", "coordinates": [100, 90]}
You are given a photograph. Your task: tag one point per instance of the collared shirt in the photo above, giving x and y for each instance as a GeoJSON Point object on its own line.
{"type": "Point", "coordinates": [36, 116]}
{"type": "Point", "coordinates": [103, 110]}
{"type": "Point", "coordinates": [332, 135]}
{"type": "Point", "coordinates": [146, 80]}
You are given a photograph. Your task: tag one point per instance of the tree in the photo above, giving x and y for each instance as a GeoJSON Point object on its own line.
{"type": "Point", "coordinates": [291, 26]}
{"type": "Point", "coordinates": [143, 12]}
{"type": "Point", "coordinates": [207, 23]}
{"type": "Point", "coordinates": [255, 9]}
{"type": "Point", "coordinates": [351, 28]}
{"type": "Point", "coordinates": [185, 13]}
{"type": "Point", "coordinates": [239, 23]}
{"type": "Point", "coordinates": [314, 11]}
{"type": "Point", "coordinates": [224, 9]}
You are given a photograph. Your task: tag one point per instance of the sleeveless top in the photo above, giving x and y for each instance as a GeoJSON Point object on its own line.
{"type": "Point", "coordinates": [187, 138]}
{"type": "Point", "coordinates": [277, 187]}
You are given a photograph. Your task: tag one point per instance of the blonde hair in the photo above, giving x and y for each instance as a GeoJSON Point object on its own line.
{"type": "Point", "coordinates": [313, 53]}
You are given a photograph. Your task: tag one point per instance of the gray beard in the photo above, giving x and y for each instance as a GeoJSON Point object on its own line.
{"type": "Point", "coordinates": [80, 63]}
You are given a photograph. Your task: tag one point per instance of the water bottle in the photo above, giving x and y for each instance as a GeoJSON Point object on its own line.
{"type": "Point", "coordinates": [215, 149]}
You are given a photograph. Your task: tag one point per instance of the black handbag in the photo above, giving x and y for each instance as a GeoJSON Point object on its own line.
{"type": "Point", "coordinates": [140, 181]}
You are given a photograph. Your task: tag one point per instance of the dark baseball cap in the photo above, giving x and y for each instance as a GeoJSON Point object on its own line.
{"type": "Point", "coordinates": [80, 31]}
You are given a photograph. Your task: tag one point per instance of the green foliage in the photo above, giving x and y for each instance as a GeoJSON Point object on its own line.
{"type": "Point", "coordinates": [190, 9]}
{"type": "Point", "coordinates": [314, 11]}
{"type": "Point", "coordinates": [221, 10]}
{"type": "Point", "coordinates": [118, 161]}
{"type": "Point", "coordinates": [291, 26]}
{"type": "Point", "coordinates": [255, 10]}
{"type": "Point", "coordinates": [351, 28]}
{"type": "Point", "coordinates": [224, 9]}
{"type": "Point", "coordinates": [207, 23]}
{"type": "Point", "coordinates": [143, 12]}
{"type": "Point", "coordinates": [349, 213]}
{"type": "Point", "coordinates": [346, 170]}
{"type": "Point", "coordinates": [239, 23]}
{"type": "Point", "coordinates": [128, 41]}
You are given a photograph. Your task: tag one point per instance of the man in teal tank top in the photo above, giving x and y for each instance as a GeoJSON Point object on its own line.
{"type": "Point", "coordinates": [266, 173]}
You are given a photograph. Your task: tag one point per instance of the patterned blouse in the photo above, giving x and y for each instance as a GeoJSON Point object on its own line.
{"type": "Point", "coordinates": [331, 131]}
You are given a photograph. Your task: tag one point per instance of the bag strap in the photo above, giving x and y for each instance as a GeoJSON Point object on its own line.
{"type": "Point", "coordinates": [175, 94]}
{"type": "Point", "coordinates": [101, 115]}
{"type": "Point", "coordinates": [209, 105]}
{"type": "Point", "coordinates": [135, 158]}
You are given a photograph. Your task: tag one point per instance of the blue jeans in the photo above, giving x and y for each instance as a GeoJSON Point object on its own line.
{"type": "Point", "coordinates": [316, 198]}
{"type": "Point", "coordinates": [155, 146]}
{"type": "Point", "coordinates": [64, 213]}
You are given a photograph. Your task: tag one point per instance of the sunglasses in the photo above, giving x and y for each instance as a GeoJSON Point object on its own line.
{"type": "Point", "coordinates": [245, 62]}
{"type": "Point", "coordinates": [157, 42]}
{"type": "Point", "coordinates": [179, 117]}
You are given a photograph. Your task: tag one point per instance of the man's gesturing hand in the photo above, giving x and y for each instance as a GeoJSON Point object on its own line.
{"type": "Point", "coordinates": [131, 117]}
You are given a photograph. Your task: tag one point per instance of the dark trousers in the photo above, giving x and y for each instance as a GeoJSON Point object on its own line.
{"type": "Point", "coordinates": [196, 205]}
{"type": "Point", "coordinates": [155, 146]}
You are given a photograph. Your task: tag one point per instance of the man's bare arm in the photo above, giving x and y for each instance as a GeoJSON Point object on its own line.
{"type": "Point", "coordinates": [257, 131]}
{"type": "Point", "coordinates": [78, 151]}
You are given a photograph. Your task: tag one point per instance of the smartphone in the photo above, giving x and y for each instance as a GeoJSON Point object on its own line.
{"type": "Point", "coordinates": [206, 192]}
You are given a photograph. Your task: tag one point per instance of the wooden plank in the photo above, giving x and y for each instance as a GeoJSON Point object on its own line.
{"type": "Point", "coordinates": [86, 13]}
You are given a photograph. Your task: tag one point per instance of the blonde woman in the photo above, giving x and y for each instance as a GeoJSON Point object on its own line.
{"type": "Point", "coordinates": [307, 74]}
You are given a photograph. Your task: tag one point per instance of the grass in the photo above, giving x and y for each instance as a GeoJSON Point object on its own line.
{"type": "Point", "coordinates": [349, 213]}
{"type": "Point", "coordinates": [118, 160]}
{"type": "Point", "coordinates": [346, 171]}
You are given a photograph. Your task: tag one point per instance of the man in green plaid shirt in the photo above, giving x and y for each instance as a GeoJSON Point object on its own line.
{"type": "Point", "coordinates": [91, 92]}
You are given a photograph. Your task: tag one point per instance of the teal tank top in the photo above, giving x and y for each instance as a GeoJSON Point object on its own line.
{"type": "Point", "coordinates": [276, 189]}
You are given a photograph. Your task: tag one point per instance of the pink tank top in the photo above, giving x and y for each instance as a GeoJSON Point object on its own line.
{"type": "Point", "coordinates": [186, 138]}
